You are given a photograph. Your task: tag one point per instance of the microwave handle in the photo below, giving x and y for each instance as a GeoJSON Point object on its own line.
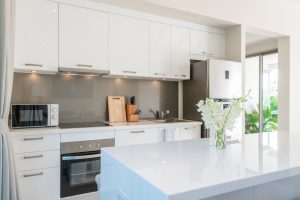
{"type": "Point", "coordinates": [81, 157]}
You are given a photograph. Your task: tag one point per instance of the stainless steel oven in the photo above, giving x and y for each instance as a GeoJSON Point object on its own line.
{"type": "Point", "coordinates": [80, 163]}
{"type": "Point", "coordinates": [34, 115]}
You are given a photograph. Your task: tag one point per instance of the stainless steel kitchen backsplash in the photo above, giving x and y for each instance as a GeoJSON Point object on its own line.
{"type": "Point", "coordinates": [85, 98]}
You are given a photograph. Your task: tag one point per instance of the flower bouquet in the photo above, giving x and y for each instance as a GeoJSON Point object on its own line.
{"type": "Point", "coordinates": [219, 119]}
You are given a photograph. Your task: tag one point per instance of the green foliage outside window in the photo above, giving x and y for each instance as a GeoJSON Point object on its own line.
{"type": "Point", "coordinates": [270, 121]}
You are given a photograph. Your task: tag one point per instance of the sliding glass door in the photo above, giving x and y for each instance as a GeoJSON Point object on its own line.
{"type": "Point", "coordinates": [261, 80]}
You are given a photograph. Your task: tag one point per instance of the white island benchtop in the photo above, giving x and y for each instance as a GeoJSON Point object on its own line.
{"type": "Point", "coordinates": [193, 170]}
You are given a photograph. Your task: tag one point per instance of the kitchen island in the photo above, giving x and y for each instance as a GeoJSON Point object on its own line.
{"type": "Point", "coordinates": [266, 168]}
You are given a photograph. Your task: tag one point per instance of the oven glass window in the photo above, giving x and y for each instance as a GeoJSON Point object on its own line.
{"type": "Point", "coordinates": [84, 172]}
{"type": "Point", "coordinates": [78, 172]}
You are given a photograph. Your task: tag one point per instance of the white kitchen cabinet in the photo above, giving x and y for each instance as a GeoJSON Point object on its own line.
{"type": "Point", "coordinates": [136, 136]}
{"type": "Point", "coordinates": [180, 53]}
{"type": "Point", "coordinates": [39, 184]}
{"type": "Point", "coordinates": [160, 49]}
{"type": "Point", "coordinates": [33, 143]}
{"type": "Point", "coordinates": [207, 44]}
{"type": "Point", "coordinates": [36, 36]}
{"type": "Point", "coordinates": [37, 160]}
{"type": "Point", "coordinates": [128, 46]}
{"type": "Point", "coordinates": [189, 132]}
{"type": "Point", "coordinates": [83, 38]}
{"type": "Point", "coordinates": [169, 134]}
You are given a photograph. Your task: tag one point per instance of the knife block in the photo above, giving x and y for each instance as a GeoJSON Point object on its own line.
{"type": "Point", "coordinates": [130, 113]}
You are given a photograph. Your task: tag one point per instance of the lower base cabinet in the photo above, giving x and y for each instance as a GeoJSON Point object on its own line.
{"type": "Point", "coordinates": [136, 136]}
{"type": "Point", "coordinates": [41, 184]}
{"type": "Point", "coordinates": [190, 132]}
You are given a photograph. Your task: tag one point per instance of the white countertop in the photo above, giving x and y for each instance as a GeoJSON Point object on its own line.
{"type": "Point", "coordinates": [114, 126]}
{"type": "Point", "coordinates": [193, 169]}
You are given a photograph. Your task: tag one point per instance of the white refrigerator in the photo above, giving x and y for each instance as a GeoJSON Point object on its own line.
{"type": "Point", "coordinates": [217, 79]}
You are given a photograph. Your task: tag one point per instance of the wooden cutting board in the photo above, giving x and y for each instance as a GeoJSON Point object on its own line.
{"type": "Point", "coordinates": [116, 109]}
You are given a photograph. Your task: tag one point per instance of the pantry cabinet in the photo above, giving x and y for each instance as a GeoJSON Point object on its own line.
{"type": "Point", "coordinates": [128, 46]}
{"type": "Point", "coordinates": [83, 38]}
{"type": "Point", "coordinates": [180, 53]}
{"type": "Point", "coordinates": [36, 36]}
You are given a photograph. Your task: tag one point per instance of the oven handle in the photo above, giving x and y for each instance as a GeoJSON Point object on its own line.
{"type": "Point", "coordinates": [81, 157]}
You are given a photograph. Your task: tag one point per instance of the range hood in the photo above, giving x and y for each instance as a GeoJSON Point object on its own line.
{"type": "Point", "coordinates": [83, 72]}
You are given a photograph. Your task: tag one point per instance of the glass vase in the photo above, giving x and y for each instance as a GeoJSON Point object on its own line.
{"type": "Point", "coordinates": [220, 139]}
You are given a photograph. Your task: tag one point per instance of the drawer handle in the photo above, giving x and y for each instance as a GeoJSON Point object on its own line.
{"type": "Point", "coordinates": [138, 131]}
{"type": "Point", "coordinates": [81, 65]}
{"type": "Point", "coordinates": [160, 74]}
{"type": "Point", "coordinates": [182, 75]}
{"type": "Point", "coordinates": [129, 72]}
{"type": "Point", "coordinates": [37, 156]}
{"type": "Point", "coordinates": [35, 174]}
{"type": "Point", "coordinates": [187, 128]}
{"type": "Point", "coordinates": [35, 138]}
{"type": "Point", "coordinates": [33, 65]}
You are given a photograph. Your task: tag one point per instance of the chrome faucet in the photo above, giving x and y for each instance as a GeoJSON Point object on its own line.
{"type": "Point", "coordinates": [160, 115]}
{"type": "Point", "coordinates": [164, 114]}
{"type": "Point", "coordinates": [155, 113]}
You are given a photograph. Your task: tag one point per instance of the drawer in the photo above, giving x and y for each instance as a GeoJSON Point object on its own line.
{"type": "Point", "coordinates": [136, 136]}
{"type": "Point", "coordinates": [190, 132]}
{"type": "Point", "coordinates": [41, 184]}
{"type": "Point", "coordinates": [37, 160]}
{"type": "Point", "coordinates": [33, 143]}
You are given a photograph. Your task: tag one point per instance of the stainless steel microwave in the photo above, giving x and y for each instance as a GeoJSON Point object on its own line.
{"type": "Point", "coordinates": [34, 115]}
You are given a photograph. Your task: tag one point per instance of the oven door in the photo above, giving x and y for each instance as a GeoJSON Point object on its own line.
{"type": "Point", "coordinates": [25, 116]}
{"type": "Point", "coordinates": [78, 172]}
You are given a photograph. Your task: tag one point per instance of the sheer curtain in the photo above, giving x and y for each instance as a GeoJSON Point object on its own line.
{"type": "Point", "coordinates": [7, 173]}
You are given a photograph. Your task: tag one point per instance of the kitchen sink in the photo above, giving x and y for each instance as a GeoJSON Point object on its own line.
{"type": "Point", "coordinates": [170, 120]}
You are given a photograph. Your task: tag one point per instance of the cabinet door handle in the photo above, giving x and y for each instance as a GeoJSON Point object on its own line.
{"type": "Point", "coordinates": [159, 74]}
{"type": "Point", "coordinates": [35, 174]}
{"type": "Point", "coordinates": [34, 138]}
{"type": "Point", "coordinates": [182, 75]}
{"type": "Point", "coordinates": [129, 72]}
{"type": "Point", "coordinates": [33, 65]}
{"type": "Point", "coordinates": [142, 131]}
{"type": "Point", "coordinates": [82, 65]}
{"type": "Point", "coordinates": [30, 157]}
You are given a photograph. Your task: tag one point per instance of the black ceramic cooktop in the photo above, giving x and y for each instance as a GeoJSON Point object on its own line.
{"type": "Point", "coordinates": [82, 124]}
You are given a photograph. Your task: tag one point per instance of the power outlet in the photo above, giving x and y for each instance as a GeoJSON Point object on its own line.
{"type": "Point", "coordinates": [122, 195]}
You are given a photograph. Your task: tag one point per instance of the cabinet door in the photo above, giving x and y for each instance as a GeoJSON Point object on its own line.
{"type": "Point", "coordinates": [39, 184]}
{"type": "Point", "coordinates": [160, 49]}
{"type": "Point", "coordinates": [128, 46]}
{"type": "Point", "coordinates": [190, 132]}
{"type": "Point", "coordinates": [207, 44]}
{"type": "Point", "coordinates": [136, 136]}
{"type": "Point", "coordinates": [180, 53]}
{"type": "Point", "coordinates": [83, 41]}
{"type": "Point", "coordinates": [36, 39]}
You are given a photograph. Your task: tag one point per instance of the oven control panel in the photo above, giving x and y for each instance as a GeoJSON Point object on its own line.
{"type": "Point", "coordinates": [86, 146]}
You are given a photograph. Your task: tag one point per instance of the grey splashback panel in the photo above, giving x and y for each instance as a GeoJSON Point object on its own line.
{"type": "Point", "coordinates": [85, 98]}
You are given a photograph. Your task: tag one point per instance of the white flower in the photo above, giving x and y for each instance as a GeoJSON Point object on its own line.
{"type": "Point", "coordinates": [215, 117]}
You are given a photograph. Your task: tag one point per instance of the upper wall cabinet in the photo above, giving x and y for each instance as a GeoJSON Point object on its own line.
{"type": "Point", "coordinates": [180, 53]}
{"type": "Point", "coordinates": [207, 44]}
{"type": "Point", "coordinates": [36, 39]}
{"type": "Point", "coordinates": [83, 38]}
{"type": "Point", "coordinates": [128, 46]}
{"type": "Point", "coordinates": [160, 50]}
